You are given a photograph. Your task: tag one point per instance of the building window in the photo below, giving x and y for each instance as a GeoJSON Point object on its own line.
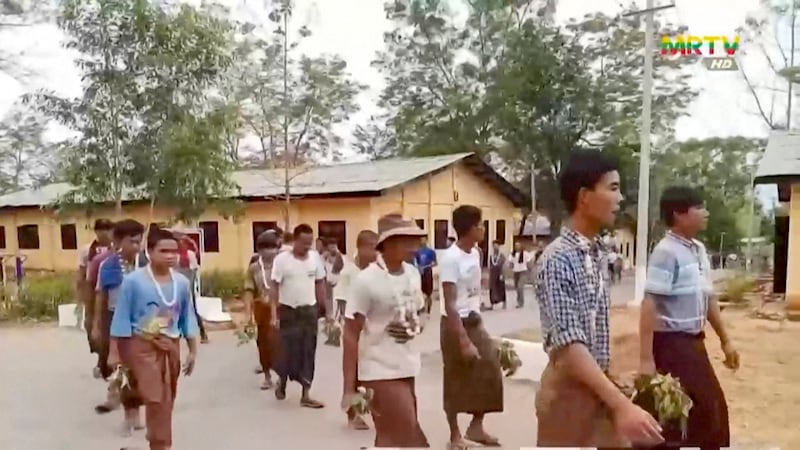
{"type": "Point", "coordinates": [500, 231]}
{"type": "Point", "coordinates": [28, 237]}
{"type": "Point", "coordinates": [2, 237]}
{"type": "Point", "coordinates": [336, 230]}
{"type": "Point", "coordinates": [420, 223]}
{"type": "Point", "coordinates": [210, 236]}
{"type": "Point", "coordinates": [440, 231]}
{"type": "Point", "coordinates": [69, 237]}
{"type": "Point", "coordinates": [260, 227]}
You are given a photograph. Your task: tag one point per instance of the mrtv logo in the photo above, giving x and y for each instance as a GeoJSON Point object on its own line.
{"type": "Point", "coordinates": [717, 51]}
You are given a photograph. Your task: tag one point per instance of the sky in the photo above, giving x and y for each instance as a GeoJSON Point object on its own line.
{"type": "Point", "coordinates": [354, 29]}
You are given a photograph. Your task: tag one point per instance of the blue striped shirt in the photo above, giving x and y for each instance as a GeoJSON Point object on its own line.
{"type": "Point", "coordinates": [678, 281]}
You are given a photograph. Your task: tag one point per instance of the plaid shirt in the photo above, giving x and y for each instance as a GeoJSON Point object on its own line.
{"type": "Point", "coordinates": [573, 298]}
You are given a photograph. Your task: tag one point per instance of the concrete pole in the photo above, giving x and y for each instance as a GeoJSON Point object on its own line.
{"type": "Point", "coordinates": [748, 262]}
{"type": "Point", "coordinates": [533, 204]}
{"type": "Point", "coordinates": [643, 205]}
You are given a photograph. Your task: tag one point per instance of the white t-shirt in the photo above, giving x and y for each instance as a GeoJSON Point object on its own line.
{"type": "Point", "coordinates": [523, 266]}
{"type": "Point", "coordinates": [297, 278]}
{"type": "Point", "coordinates": [612, 257]}
{"type": "Point", "coordinates": [464, 270]}
{"type": "Point", "coordinates": [377, 295]}
{"type": "Point", "coordinates": [344, 280]}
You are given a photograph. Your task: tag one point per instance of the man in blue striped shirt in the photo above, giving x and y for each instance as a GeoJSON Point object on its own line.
{"type": "Point", "coordinates": [679, 302]}
{"type": "Point", "coordinates": [577, 404]}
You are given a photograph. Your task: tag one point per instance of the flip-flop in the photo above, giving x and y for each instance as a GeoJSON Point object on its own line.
{"type": "Point", "coordinates": [310, 403]}
{"type": "Point", "coordinates": [486, 440]}
{"type": "Point", "coordinates": [459, 446]}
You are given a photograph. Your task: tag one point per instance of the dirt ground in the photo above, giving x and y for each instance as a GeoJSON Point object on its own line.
{"type": "Point", "coordinates": [762, 395]}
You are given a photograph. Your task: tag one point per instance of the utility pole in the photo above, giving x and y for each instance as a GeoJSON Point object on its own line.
{"type": "Point", "coordinates": [748, 262]}
{"type": "Point", "coordinates": [534, 215]}
{"type": "Point", "coordinates": [643, 203]}
{"type": "Point", "coordinates": [721, 255]}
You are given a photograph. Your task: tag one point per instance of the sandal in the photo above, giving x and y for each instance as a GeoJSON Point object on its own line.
{"type": "Point", "coordinates": [311, 403]}
{"type": "Point", "coordinates": [457, 446]}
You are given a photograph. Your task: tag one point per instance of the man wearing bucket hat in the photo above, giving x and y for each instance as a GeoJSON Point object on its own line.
{"type": "Point", "coordinates": [384, 313]}
{"type": "Point", "coordinates": [473, 381]}
{"type": "Point", "coordinates": [256, 296]}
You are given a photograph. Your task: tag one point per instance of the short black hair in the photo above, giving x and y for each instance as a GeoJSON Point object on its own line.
{"type": "Point", "coordinates": [365, 235]}
{"type": "Point", "coordinates": [583, 170]}
{"type": "Point", "coordinates": [451, 239]}
{"type": "Point", "coordinates": [496, 242]}
{"type": "Point", "coordinates": [127, 228]}
{"type": "Point", "coordinates": [678, 200]}
{"type": "Point", "coordinates": [103, 224]}
{"type": "Point", "coordinates": [301, 229]}
{"type": "Point", "coordinates": [157, 235]}
{"type": "Point", "coordinates": [465, 217]}
{"type": "Point", "coordinates": [267, 240]}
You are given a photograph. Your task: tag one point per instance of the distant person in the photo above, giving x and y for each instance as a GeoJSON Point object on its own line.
{"type": "Point", "coordinates": [497, 279]}
{"type": "Point", "coordinates": [425, 260]}
{"type": "Point", "coordinates": [520, 262]}
{"type": "Point", "coordinates": [450, 241]}
{"type": "Point", "coordinates": [679, 302]}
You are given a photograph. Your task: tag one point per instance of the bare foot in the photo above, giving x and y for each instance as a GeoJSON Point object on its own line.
{"type": "Point", "coordinates": [126, 430]}
{"type": "Point", "coordinates": [479, 435]}
{"type": "Point", "coordinates": [457, 444]}
{"type": "Point", "coordinates": [267, 384]}
{"type": "Point", "coordinates": [357, 423]}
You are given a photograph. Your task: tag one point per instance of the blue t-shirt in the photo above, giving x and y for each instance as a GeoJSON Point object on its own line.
{"type": "Point", "coordinates": [140, 303]}
{"type": "Point", "coordinates": [425, 258]}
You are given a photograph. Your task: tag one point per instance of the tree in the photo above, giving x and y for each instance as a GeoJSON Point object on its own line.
{"type": "Point", "coordinates": [296, 102]}
{"type": "Point", "coordinates": [375, 140]}
{"type": "Point", "coordinates": [25, 158]}
{"type": "Point", "coordinates": [439, 71]}
{"type": "Point", "coordinates": [16, 15]}
{"type": "Point", "coordinates": [707, 164]}
{"type": "Point", "coordinates": [146, 71]}
{"type": "Point", "coordinates": [765, 32]}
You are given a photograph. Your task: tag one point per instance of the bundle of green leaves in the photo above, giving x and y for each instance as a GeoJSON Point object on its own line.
{"type": "Point", "coordinates": [333, 333]}
{"type": "Point", "coordinates": [361, 404]}
{"type": "Point", "coordinates": [509, 359]}
{"type": "Point", "coordinates": [664, 398]}
{"type": "Point", "coordinates": [245, 334]}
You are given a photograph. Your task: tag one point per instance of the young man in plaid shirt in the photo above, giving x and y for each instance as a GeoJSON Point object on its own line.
{"type": "Point", "coordinates": [577, 405]}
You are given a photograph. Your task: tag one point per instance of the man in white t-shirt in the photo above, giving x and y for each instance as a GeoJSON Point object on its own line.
{"type": "Point", "coordinates": [473, 381]}
{"type": "Point", "coordinates": [385, 312]}
{"type": "Point", "coordinates": [520, 261]}
{"type": "Point", "coordinates": [342, 291]}
{"type": "Point", "coordinates": [297, 286]}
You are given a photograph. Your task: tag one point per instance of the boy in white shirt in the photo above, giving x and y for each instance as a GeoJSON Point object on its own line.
{"type": "Point", "coordinates": [473, 381]}
{"type": "Point", "coordinates": [384, 313]}
{"type": "Point", "coordinates": [297, 287]}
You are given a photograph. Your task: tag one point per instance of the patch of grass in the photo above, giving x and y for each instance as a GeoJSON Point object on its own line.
{"type": "Point", "coordinates": [39, 298]}
{"type": "Point", "coordinates": [528, 334]}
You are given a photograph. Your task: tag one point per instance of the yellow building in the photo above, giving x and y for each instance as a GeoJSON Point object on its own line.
{"type": "Point", "coordinates": [338, 201]}
{"type": "Point", "coordinates": [780, 166]}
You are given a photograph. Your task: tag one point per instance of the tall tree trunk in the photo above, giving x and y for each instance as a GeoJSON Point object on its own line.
{"type": "Point", "coordinates": [287, 194]}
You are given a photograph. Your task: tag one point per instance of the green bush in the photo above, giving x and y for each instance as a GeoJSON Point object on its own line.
{"type": "Point", "coordinates": [39, 297]}
{"type": "Point", "coordinates": [223, 284]}
{"type": "Point", "coordinates": [736, 288]}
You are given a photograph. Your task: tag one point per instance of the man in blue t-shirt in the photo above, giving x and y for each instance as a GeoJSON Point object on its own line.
{"type": "Point", "coordinates": [425, 259]}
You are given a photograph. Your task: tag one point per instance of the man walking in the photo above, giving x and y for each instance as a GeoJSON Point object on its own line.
{"type": "Point", "coordinates": [473, 382]}
{"type": "Point", "coordinates": [365, 255]}
{"type": "Point", "coordinates": [153, 311]}
{"type": "Point", "coordinates": [679, 302]}
{"type": "Point", "coordinates": [497, 279]}
{"type": "Point", "coordinates": [112, 268]}
{"type": "Point", "coordinates": [256, 297]}
{"type": "Point", "coordinates": [377, 350]}
{"type": "Point", "coordinates": [298, 286]}
{"type": "Point", "coordinates": [577, 405]}
{"type": "Point", "coordinates": [84, 289]}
